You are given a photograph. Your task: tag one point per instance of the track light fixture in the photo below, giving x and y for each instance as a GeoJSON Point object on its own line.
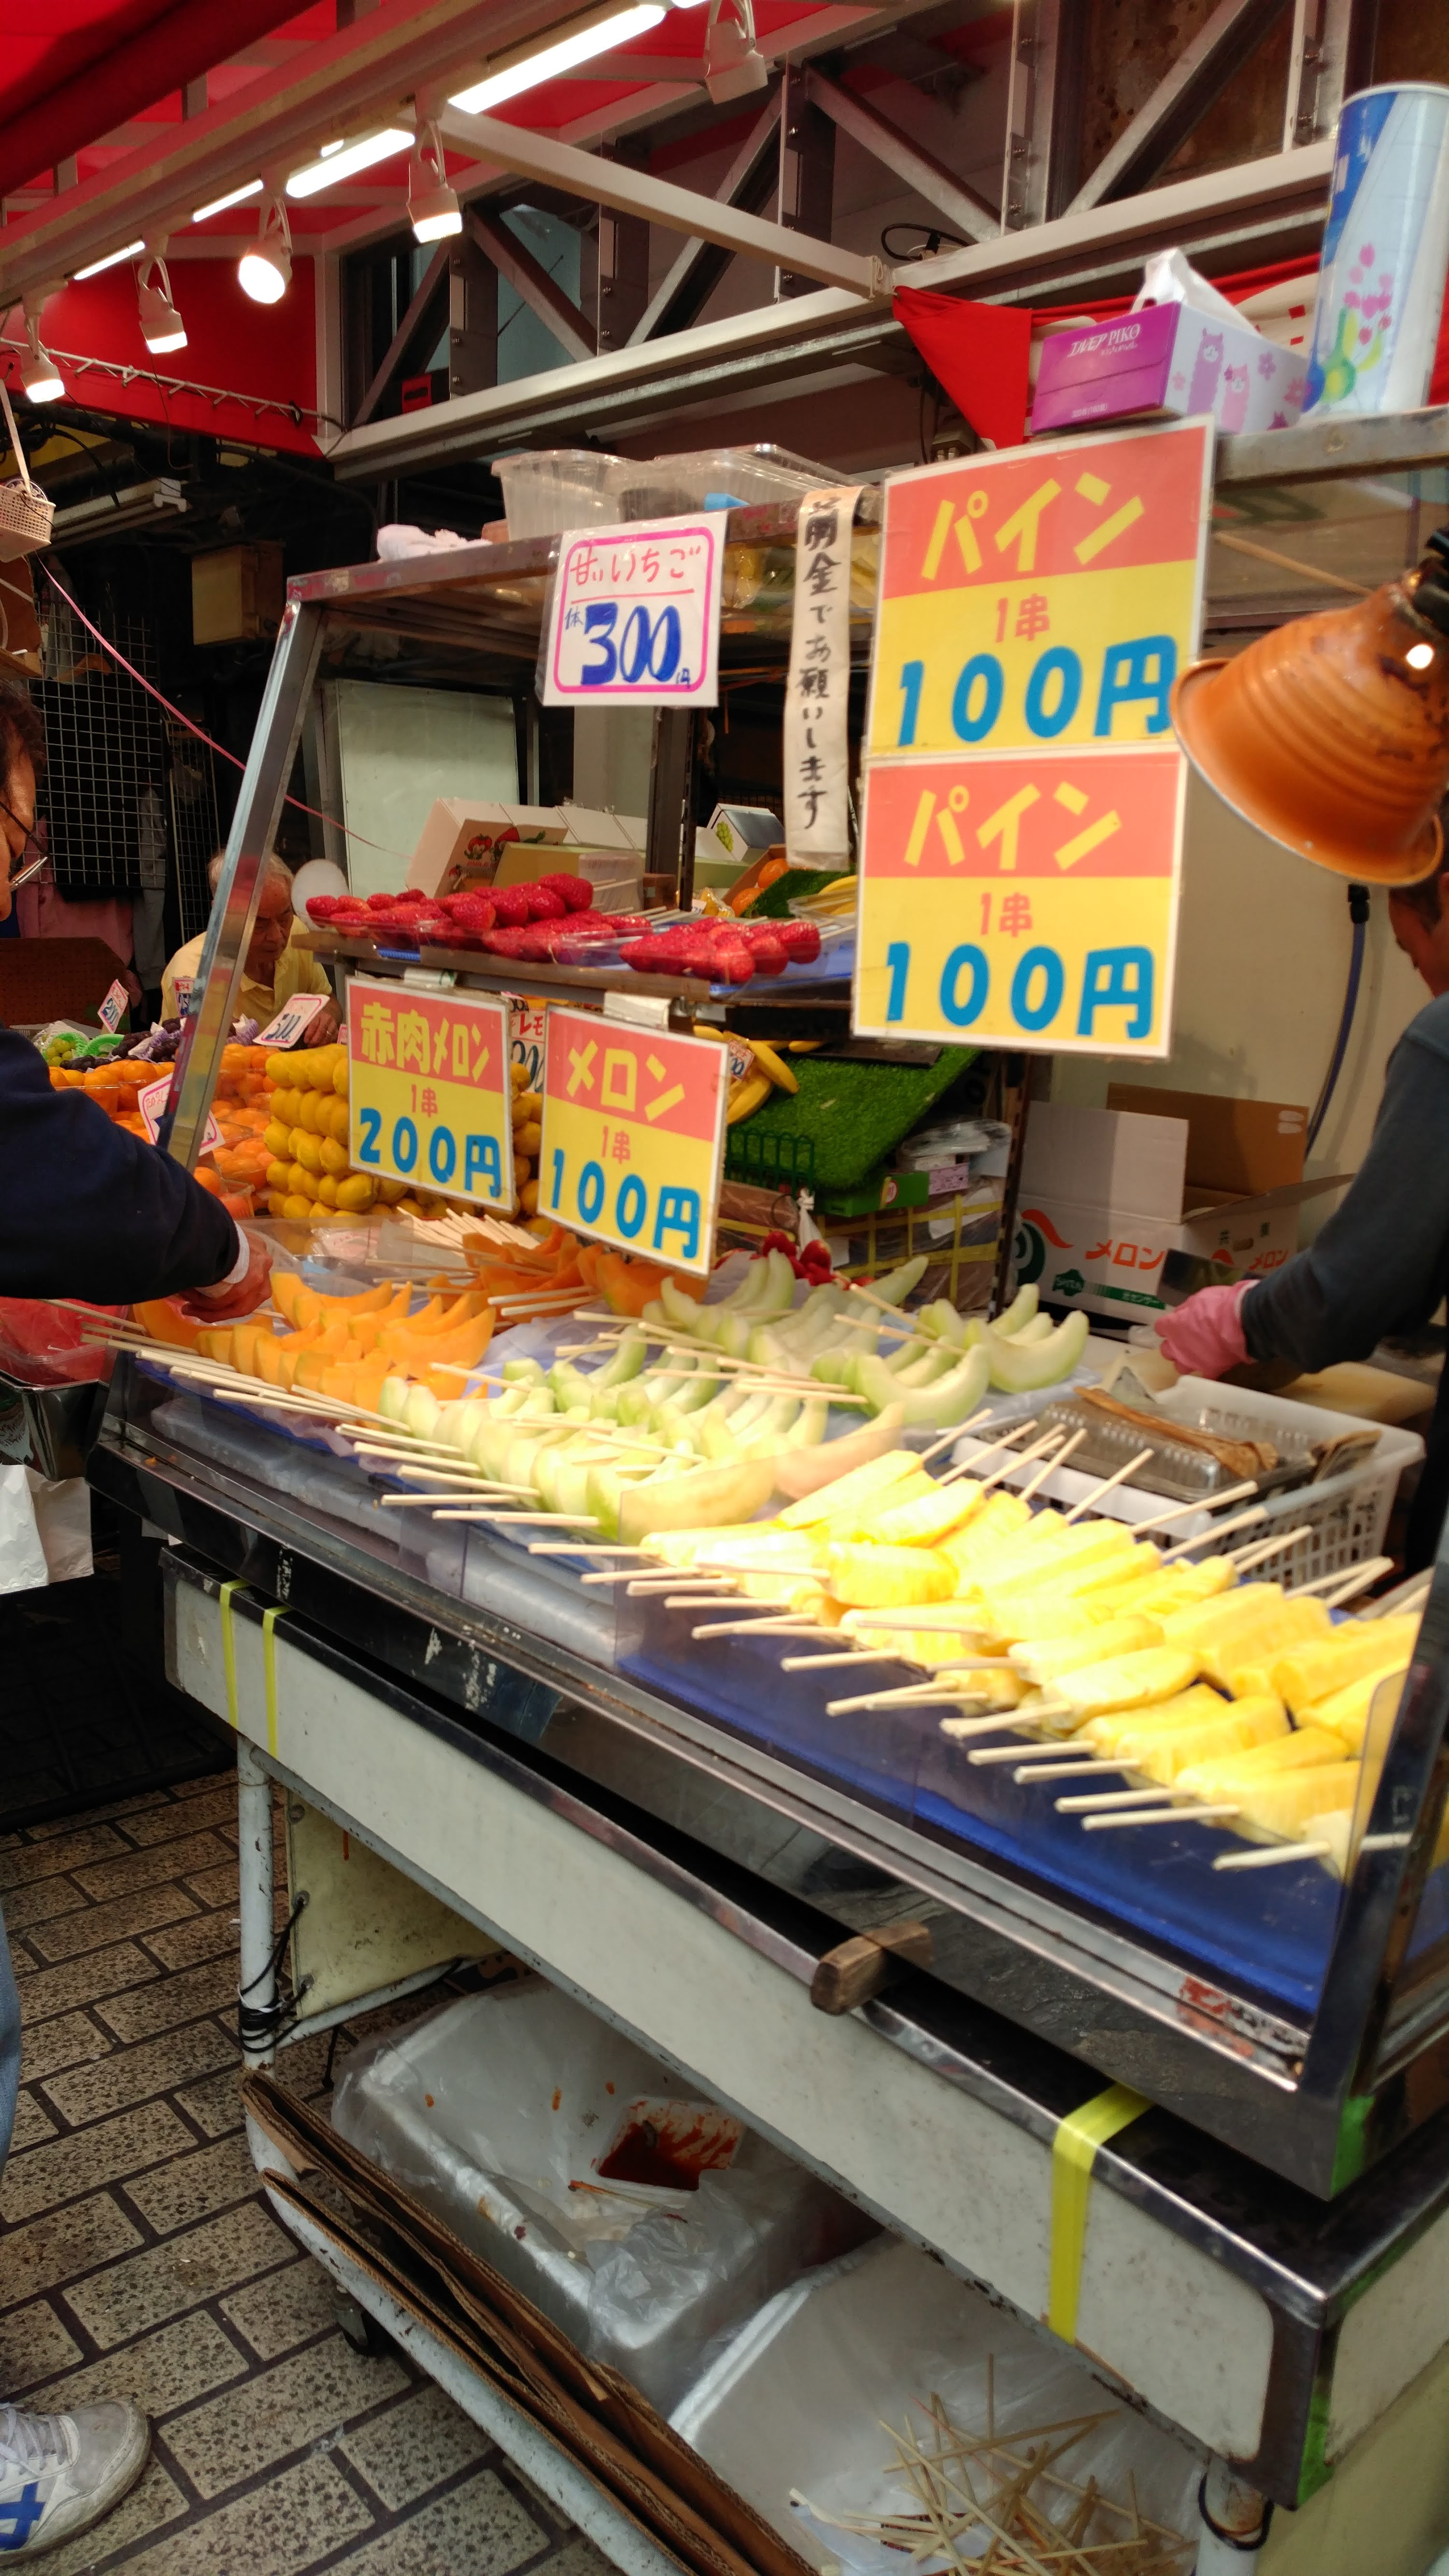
{"type": "Point", "coordinates": [433, 208]}
{"type": "Point", "coordinates": [39, 374]}
{"type": "Point", "coordinates": [266, 272]}
{"type": "Point", "coordinates": [162, 328]}
{"type": "Point", "coordinates": [514, 71]}
{"type": "Point", "coordinates": [732, 64]}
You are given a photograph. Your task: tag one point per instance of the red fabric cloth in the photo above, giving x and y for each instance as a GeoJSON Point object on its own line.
{"type": "Point", "coordinates": [978, 352]}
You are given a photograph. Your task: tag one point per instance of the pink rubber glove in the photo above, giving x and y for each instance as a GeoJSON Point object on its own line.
{"type": "Point", "coordinates": [1204, 1335]}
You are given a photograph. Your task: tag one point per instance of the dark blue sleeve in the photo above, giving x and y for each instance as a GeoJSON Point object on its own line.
{"type": "Point", "coordinates": [88, 1210]}
{"type": "Point", "coordinates": [1381, 1263]}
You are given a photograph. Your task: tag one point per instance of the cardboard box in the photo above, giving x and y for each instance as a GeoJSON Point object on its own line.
{"type": "Point", "coordinates": [1168, 362]}
{"type": "Point", "coordinates": [1235, 1148]}
{"type": "Point", "coordinates": [458, 843]}
{"type": "Point", "coordinates": [237, 594]}
{"type": "Point", "coordinates": [739, 832]}
{"type": "Point", "coordinates": [1105, 1196]}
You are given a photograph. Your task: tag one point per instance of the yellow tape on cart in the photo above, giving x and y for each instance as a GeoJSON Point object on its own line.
{"type": "Point", "coordinates": [228, 1648]}
{"type": "Point", "coordinates": [1074, 2153]}
{"type": "Point", "coordinates": [269, 1668]}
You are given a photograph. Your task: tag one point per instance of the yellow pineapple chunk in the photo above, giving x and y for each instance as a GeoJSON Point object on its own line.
{"type": "Point", "coordinates": [1040, 1659]}
{"type": "Point", "coordinates": [1286, 1804]}
{"type": "Point", "coordinates": [1194, 1706]}
{"type": "Point", "coordinates": [889, 1578]}
{"type": "Point", "coordinates": [1126, 1681]}
{"type": "Point", "coordinates": [1345, 1713]}
{"type": "Point", "coordinates": [1306, 1749]}
{"type": "Point", "coordinates": [1243, 1727]}
{"type": "Point", "coordinates": [924, 1521]}
{"type": "Point", "coordinates": [873, 1478]}
{"type": "Point", "coordinates": [1310, 1672]}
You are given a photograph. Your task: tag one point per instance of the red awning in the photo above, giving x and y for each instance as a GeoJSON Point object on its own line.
{"type": "Point", "coordinates": [73, 70]}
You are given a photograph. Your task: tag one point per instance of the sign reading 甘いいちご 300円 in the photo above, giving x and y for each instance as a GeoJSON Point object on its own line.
{"type": "Point", "coordinates": [1022, 829]}
{"type": "Point", "coordinates": [431, 1091]}
{"type": "Point", "coordinates": [633, 1136]}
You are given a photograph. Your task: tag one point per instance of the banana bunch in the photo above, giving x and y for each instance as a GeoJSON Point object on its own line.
{"type": "Point", "coordinates": [766, 1071]}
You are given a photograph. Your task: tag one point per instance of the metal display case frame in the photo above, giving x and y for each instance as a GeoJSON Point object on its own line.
{"type": "Point", "coordinates": [1316, 2101]}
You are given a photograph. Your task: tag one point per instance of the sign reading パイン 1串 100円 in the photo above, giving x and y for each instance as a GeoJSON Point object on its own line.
{"type": "Point", "coordinates": [633, 1136]}
{"type": "Point", "coordinates": [1021, 842]}
{"type": "Point", "coordinates": [430, 1090]}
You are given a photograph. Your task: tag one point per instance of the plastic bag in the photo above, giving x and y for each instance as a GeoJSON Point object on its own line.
{"type": "Point", "coordinates": [499, 2112]}
{"type": "Point", "coordinates": [45, 1345]}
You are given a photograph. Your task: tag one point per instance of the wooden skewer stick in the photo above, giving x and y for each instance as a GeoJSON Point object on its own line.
{"type": "Point", "coordinates": [1340, 1588]}
{"type": "Point", "coordinates": [1160, 1815]}
{"type": "Point", "coordinates": [1410, 1595]}
{"type": "Point", "coordinates": [1272, 1855]}
{"type": "Point", "coordinates": [1091, 1766]}
{"type": "Point", "coordinates": [1109, 1798]}
{"type": "Point", "coordinates": [818, 1663]}
{"type": "Point", "coordinates": [1219, 1529]}
{"type": "Point", "coordinates": [1014, 1458]}
{"type": "Point", "coordinates": [582, 1547]}
{"type": "Point", "coordinates": [1243, 1557]}
{"type": "Point", "coordinates": [957, 1433]}
{"type": "Point", "coordinates": [1057, 1459]}
{"type": "Point", "coordinates": [644, 1586]}
{"type": "Point", "coordinates": [1015, 1752]}
{"type": "Point", "coordinates": [565, 1520]}
{"type": "Point", "coordinates": [961, 1728]}
{"type": "Point", "coordinates": [915, 1695]}
{"type": "Point", "coordinates": [791, 1626]}
{"type": "Point", "coordinates": [1090, 1502]}
{"type": "Point", "coordinates": [1184, 1511]}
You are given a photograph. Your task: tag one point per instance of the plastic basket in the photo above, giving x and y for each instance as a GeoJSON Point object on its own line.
{"type": "Point", "coordinates": [1344, 1518]}
{"type": "Point", "coordinates": [26, 516]}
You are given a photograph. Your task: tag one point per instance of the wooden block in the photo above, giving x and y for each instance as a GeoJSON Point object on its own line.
{"type": "Point", "coordinates": [856, 1969]}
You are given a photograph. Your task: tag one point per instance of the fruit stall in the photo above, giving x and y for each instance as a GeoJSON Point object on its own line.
{"type": "Point", "coordinates": [873, 1703]}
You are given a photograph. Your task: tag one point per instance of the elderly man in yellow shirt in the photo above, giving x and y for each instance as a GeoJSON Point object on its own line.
{"type": "Point", "coordinates": [274, 968]}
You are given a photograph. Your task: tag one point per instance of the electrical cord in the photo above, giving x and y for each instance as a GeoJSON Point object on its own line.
{"type": "Point", "coordinates": [261, 2025]}
{"type": "Point", "coordinates": [934, 236]}
{"type": "Point", "coordinates": [1358, 913]}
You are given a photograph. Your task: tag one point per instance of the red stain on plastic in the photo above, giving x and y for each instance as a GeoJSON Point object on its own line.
{"type": "Point", "coordinates": [347, 1846]}
{"type": "Point", "coordinates": [427, 2097]}
{"type": "Point", "coordinates": [668, 2145]}
{"type": "Point", "coordinates": [558, 2097]}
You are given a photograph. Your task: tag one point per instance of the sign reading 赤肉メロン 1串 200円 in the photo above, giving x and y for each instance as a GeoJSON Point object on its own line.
{"type": "Point", "coordinates": [1022, 829]}
{"type": "Point", "coordinates": [430, 1090]}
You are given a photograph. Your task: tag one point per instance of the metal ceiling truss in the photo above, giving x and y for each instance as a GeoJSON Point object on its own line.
{"type": "Point", "coordinates": [532, 283]}
{"type": "Point", "coordinates": [906, 161]}
{"type": "Point", "coordinates": [749, 183]}
{"type": "Point", "coordinates": [1332, 56]}
{"type": "Point", "coordinates": [1180, 101]}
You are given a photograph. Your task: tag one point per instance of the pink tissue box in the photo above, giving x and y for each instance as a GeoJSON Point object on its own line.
{"type": "Point", "coordinates": [1168, 362]}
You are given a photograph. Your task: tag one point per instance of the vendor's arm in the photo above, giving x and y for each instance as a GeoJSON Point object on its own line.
{"type": "Point", "coordinates": [91, 1211]}
{"type": "Point", "coordinates": [1381, 1262]}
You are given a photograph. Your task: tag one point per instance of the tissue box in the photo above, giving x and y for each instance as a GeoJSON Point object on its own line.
{"type": "Point", "coordinates": [1168, 362]}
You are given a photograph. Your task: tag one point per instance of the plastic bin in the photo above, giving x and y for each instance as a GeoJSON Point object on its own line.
{"type": "Point", "coordinates": [711, 477]}
{"type": "Point", "coordinates": [553, 488]}
{"type": "Point", "coordinates": [800, 2401]}
{"type": "Point", "coordinates": [498, 2113]}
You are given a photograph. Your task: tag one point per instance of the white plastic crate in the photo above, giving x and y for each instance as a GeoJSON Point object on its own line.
{"type": "Point", "coordinates": [1344, 1518]}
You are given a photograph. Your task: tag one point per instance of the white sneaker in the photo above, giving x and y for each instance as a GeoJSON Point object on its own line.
{"type": "Point", "coordinates": [60, 2473]}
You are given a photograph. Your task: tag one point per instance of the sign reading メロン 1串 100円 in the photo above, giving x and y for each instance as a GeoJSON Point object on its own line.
{"type": "Point", "coordinates": [1022, 830]}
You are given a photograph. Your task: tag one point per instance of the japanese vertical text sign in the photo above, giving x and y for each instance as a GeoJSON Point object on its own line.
{"type": "Point", "coordinates": [634, 615]}
{"type": "Point", "coordinates": [1022, 832]}
{"type": "Point", "coordinates": [633, 1136]}
{"type": "Point", "coordinates": [430, 1090]}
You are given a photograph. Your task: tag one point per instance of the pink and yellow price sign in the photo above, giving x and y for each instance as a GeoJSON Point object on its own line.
{"type": "Point", "coordinates": [1022, 828]}
{"type": "Point", "coordinates": [633, 1136]}
{"type": "Point", "coordinates": [430, 1090]}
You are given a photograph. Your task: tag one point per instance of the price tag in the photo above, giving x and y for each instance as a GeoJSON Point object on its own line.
{"type": "Point", "coordinates": [429, 1088]}
{"type": "Point", "coordinates": [151, 1100]}
{"type": "Point", "coordinates": [527, 1031]}
{"type": "Point", "coordinates": [293, 1020]}
{"type": "Point", "coordinates": [634, 614]}
{"type": "Point", "coordinates": [1021, 838]}
{"type": "Point", "coordinates": [633, 1136]}
{"type": "Point", "coordinates": [113, 1009]}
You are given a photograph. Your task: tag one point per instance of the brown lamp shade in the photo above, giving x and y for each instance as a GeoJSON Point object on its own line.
{"type": "Point", "coordinates": [1327, 737]}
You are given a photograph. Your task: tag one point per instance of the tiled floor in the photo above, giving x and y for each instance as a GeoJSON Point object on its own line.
{"type": "Point", "coordinates": [137, 2258]}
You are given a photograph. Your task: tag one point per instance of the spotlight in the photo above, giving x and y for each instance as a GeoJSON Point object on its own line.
{"type": "Point", "coordinates": [732, 64]}
{"type": "Point", "coordinates": [162, 328]}
{"type": "Point", "coordinates": [266, 272]}
{"type": "Point", "coordinates": [433, 208]}
{"type": "Point", "coordinates": [39, 373]}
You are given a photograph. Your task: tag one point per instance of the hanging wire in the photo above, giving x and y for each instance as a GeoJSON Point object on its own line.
{"type": "Point", "coordinates": [261, 2025]}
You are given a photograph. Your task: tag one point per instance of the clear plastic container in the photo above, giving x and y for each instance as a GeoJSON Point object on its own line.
{"type": "Point", "coordinates": [712, 477]}
{"type": "Point", "coordinates": [554, 488]}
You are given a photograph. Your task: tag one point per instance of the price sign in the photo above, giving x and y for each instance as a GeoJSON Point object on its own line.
{"type": "Point", "coordinates": [294, 1020]}
{"type": "Point", "coordinates": [1022, 831]}
{"type": "Point", "coordinates": [528, 1027]}
{"type": "Point", "coordinates": [151, 1101]}
{"type": "Point", "coordinates": [635, 615]}
{"type": "Point", "coordinates": [113, 1009]}
{"type": "Point", "coordinates": [430, 1091]}
{"type": "Point", "coordinates": [633, 1136]}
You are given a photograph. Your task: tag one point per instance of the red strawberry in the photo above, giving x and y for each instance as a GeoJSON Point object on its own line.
{"type": "Point", "coordinates": [510, 906]}
{"type": "Point", "coordinates": [576, 892]}
{"type": "Point", "coordinates": [800, 940]}
{"type": "Point", "coordinates": [544, 904]}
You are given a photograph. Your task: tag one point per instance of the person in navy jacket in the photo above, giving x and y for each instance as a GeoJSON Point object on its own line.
{"type": "Point", "coordinates": [89, 1212]}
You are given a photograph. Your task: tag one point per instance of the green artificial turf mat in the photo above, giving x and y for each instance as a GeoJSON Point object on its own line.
{"type": "Point", "coordinates": [848, 1115]}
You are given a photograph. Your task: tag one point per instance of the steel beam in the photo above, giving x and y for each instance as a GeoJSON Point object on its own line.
{"type": "Point", "coordinates": [1200, 74]}
{"type": "Point", "coordinates": [748, 183]}
{"type": "Point", "coordinates": [472, 317]}
{"type": "Point", "coordinates": [1043, 112]}
{"type": "Point", "coordinates": [807, 175]}
{"type": "Point", "coordinates": [531, 281]}
{"type": "Point", "coordinates": [1332, 56]}
{"type": "Point", "coordinates": [403, 336]}
{"type": "Point", "coordinates": [623, 260]}
{"type": "Point", "coordinates": [906, 160]}
{"type": "Point", "coordinates": [679, 210]}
